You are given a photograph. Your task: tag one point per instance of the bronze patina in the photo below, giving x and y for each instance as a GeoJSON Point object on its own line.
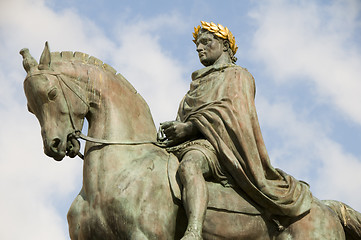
{"type": "Point", "coordinates": [214, 162]}
{"type": "Point", "coordinates": [219, 113]}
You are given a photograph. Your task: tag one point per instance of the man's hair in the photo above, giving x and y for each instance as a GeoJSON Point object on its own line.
{"type": "Point", "coordinates": [219, 32]}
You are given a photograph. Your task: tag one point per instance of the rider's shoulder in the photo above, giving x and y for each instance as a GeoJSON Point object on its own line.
{"type": "Point", "coordinates": [238, 70]}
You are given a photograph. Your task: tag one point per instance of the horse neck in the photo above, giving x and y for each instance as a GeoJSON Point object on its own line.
{"type": "Point", "coordinates": [117, 112]}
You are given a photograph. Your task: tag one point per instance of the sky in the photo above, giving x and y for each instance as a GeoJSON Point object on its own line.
{"type": "Point", "coordinates": [304, 55]}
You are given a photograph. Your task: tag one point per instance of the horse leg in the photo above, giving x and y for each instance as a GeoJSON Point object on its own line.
{"type": "Point", "coordinates": [75, 215]}
{"type": "Point", "coordinates": [319, 223]}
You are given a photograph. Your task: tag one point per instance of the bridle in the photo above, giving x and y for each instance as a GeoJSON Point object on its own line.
{"type": "Point", "coordinates": [77, 134]}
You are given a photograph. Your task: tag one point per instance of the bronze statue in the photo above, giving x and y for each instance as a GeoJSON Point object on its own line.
{"type": "Point", "coordinates": [219, 113]}
{"type": "Point", "coordinates": [130, 182]}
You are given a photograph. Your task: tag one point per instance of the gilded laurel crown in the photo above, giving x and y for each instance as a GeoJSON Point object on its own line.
{"type": "Point", "coordinates": [219, 31]}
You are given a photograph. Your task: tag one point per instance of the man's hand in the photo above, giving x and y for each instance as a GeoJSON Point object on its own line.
{"type": "Point", "coordinates": [178, 132]}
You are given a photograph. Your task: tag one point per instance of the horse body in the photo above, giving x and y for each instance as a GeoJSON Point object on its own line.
{"type": "Point", "coordinates": [122, 205]}
{"type": "Point", "coordinates": [126, 192]}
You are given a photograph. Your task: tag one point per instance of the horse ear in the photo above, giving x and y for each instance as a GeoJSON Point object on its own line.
{"type": "Point", "coordinates": [29, 62]}
{"type": "Point", "coordinates": [45, 59]}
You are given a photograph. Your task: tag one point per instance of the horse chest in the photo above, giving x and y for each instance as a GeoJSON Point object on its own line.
{"type": "Point", "coordinates": [125, 198]}
{"type": "Point", "coordinates": [120, 176]}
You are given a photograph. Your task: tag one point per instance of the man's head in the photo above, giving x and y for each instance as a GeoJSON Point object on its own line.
{"type": "Point", "coordinates": [215, 44]}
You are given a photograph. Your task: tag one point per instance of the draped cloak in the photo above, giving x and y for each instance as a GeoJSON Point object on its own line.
{"type": "Point", "coordinates": [221, 104]}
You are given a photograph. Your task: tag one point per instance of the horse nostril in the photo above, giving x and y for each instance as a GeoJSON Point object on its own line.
{"type": "Point", "coordinates": [55, 144]}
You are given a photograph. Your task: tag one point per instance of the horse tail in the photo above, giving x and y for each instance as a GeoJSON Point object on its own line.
{"type": "Point", "coordinates": [350, 218]}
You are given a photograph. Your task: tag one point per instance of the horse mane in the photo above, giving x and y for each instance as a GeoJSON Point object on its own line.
{"type": "Point", "coordinates": [79, 57]}
{"type": "Point", "coordinates": [69, 56]}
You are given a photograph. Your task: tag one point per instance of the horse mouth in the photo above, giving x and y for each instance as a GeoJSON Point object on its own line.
{"type": "Point", "coordinates": [72, 146]}
{"type": "Point", "coordinates": [55, 149]}
{"type": "Point", "coordinates": [58, 157]}
{"type": "Point", "coordinates": [58, 151]}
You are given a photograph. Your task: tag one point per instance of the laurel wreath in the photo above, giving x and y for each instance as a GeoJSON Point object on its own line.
{"type": "Point", "coordinates": [219, 31]}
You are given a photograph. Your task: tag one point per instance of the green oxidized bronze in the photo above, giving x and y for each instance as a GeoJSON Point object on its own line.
{"type": "Point", "coordinates": [207, 177]}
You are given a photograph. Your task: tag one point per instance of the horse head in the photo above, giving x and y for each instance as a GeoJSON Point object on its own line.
{"type": "Point", "coordinates": [55, 104]}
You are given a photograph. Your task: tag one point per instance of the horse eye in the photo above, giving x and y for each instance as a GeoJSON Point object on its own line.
{"type": "Point", "coordinates": [52, 94]}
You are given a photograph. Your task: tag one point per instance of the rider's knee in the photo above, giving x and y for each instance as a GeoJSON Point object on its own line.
{"type": "Point", "coordinates": [193, 163]}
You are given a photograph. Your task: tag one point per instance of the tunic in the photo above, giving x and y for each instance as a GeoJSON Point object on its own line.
{"type": "Point", "coordinates": [220, 103]}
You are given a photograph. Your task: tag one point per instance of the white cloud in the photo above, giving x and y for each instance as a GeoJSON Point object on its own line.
{"type": "Point", "coordinates": [31, 182]}
{"type": "Point", "coordinates": [315, 43]}
{"type": "Point", "coordinates": [303, 43]}
{"type": "Point", "coordinates": [153, 72]}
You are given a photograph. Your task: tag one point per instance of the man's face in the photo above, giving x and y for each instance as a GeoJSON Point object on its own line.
{"type": "Point", "coordinates": [209, 48]}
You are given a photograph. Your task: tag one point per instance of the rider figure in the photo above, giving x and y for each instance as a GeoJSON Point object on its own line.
{"type": "Point", "coordinates": [217, 135]}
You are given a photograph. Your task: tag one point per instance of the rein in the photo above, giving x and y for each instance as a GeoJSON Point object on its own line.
{"type": "Point", "coordinates": [77, 134]}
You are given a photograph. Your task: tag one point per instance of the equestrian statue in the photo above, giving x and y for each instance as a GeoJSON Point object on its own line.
{"type": "Point", "coordinates": [205, 175]}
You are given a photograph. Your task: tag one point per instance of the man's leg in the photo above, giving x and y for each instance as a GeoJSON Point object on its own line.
{"type": "Point", "coordinates": [192, 170]}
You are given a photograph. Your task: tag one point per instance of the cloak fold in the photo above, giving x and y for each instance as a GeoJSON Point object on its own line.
{"type": "Point", "coordinates": [221, 104]}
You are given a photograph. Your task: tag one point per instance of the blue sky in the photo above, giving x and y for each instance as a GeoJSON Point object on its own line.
{"type": "Point", "coordinates": [304, 55]}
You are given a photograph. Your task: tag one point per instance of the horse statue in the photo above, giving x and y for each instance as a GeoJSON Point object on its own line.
{"type": "Point", "coordinates": [130, 189]}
